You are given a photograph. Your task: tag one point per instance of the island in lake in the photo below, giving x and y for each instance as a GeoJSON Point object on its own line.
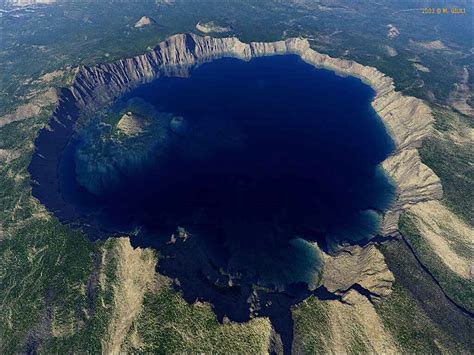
{"type": "Point", "coordinates": [241, 174]}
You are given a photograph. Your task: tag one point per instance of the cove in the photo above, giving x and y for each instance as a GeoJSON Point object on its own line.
{"type": "Point", "coordinates": [237, 175]}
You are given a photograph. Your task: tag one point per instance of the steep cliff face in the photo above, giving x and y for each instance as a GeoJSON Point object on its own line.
{"type": "Point", "coordinates": [98, 85]}
{"type": "Point", "coordinates": [407, 119]}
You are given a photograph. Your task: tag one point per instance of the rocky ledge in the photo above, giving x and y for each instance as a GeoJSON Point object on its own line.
{"type": "Point", "coordinates": [407, 119]}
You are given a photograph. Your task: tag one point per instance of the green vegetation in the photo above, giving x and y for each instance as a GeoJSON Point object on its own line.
{"type": "Point", "coordinates": [312, 328]}
{"type": "Point", "coordinates": [453, 161]}
{"type": "Point", "coordinates": [410, 326]}
{"type": "Point", "coordinates": [15, 196]}
{"type": "Point", "coordinates": [68, 34]}
{"type": "Point", "coordinates": [359, 342]}
{"type": "Point", "coordinates": [168, 324]}
{"type": "Point", "coordinates": [42, 266]}
{"type": "Point", "coordinates": [50, 298]}
{"type": "Point", "coordinates": [72, 33]}
{"type": "Point", "coordinates": [458, 288]}
{"type": "Point", "coordinates": [417, 313]}
{"type": "Point", "coordinates": [85, 334]}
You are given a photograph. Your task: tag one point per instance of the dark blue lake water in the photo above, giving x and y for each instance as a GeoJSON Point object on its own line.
{"type": "Point", "coordinates": [266, 158]}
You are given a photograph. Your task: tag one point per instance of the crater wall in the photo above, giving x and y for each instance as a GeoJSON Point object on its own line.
{"type": "Point", "coordinates": [407, 119]}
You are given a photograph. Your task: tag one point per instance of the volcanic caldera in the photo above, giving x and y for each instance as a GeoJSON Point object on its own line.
{"type": "Point", "coordinates": [237, 172]}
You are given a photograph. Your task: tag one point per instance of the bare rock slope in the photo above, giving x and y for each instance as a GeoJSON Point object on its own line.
{"type": "Point", "coordinates": [364, 267]}
{"type": "Point", "coordinates": [144, 21]}
{"type": "Point", "coordinates": [210, 27]}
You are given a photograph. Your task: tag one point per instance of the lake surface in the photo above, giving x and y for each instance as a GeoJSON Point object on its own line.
{"type": "Point", "coordinates": [251, 166]}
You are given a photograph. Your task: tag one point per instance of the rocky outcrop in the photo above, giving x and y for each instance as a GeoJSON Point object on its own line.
{"type": "Point", "coordinates": [210, 27]}
{"type": "Point", "coordinates": [407, 119]}
{"type": "Point", "coordinates": [29, 2]}
{"type": "Point", "coordinates": [132, 125]}
{"type": "Point", "coordinates": [360, 269]}
{"type": "Point", "coordinates": [144, 21]}
{"type": "Point", "coordinates": [415, 181]}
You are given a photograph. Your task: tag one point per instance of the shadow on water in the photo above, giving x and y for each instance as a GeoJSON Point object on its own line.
{"type": "Point", "coordinates": [242, 169]}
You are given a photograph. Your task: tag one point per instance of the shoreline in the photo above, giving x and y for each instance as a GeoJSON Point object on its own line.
{"type": "Point", "coordinates": [407, 120]}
